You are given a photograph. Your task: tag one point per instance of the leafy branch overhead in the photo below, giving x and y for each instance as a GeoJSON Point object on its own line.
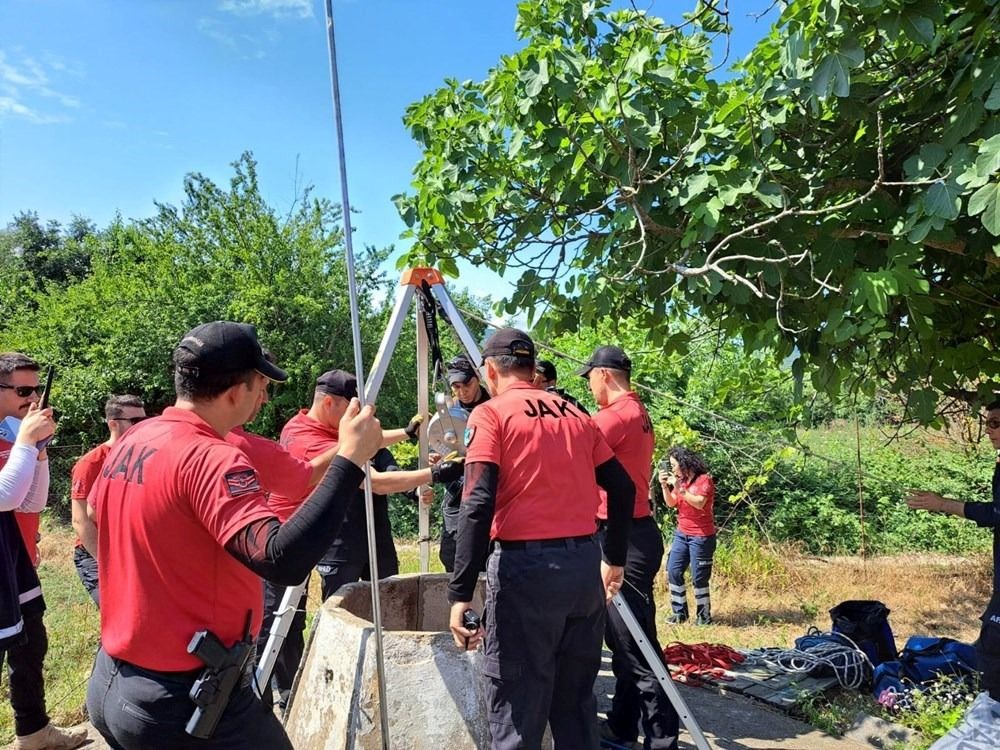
{"type": "Point", "coordinates": [837, 200]}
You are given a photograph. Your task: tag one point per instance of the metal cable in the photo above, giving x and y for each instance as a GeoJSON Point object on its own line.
{"type": "Point", "coordinates": [359, 374]}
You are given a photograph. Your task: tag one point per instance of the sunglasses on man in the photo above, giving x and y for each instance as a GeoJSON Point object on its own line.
{"type": "Point", "coordinates": [992, 423]}
{"type": "Point", "coordinates": [23, 391]}
{"type": "Point", "coordinates": [130, 420]}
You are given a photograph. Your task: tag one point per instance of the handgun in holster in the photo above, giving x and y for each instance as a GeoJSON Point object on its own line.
{"type": "Point", "coordinates": [224, 667]}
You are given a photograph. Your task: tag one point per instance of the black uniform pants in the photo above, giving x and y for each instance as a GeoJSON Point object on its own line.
{"type": "Point", "coordinates": [136, 709]}
{"type": "Point", "coordinates": [287, 662]}
{"type": "Point", "coordinates": [86, 569]}
{"type": "Point", "coordinates": [638, 694]}
{"type": "Point", "coordinates": [542, 649]}
{"type": "Point", "coordinates": [24, 671]}
{"type": "Point", "coordinates": [988, 649]}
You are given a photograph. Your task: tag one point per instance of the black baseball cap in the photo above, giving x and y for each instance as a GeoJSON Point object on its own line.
{"type": "Point", "coordinates": [338, 383]}
{"type": "Point", "coordinates": [607, 356]}
{"type": "Point", "coordinates": [546, 369]}
{"type": "Point", "coordinates": [461, 370]}
{"type": "Point", "coordinates": [509, 342]}
{"type": "Point", "coordinates": [221, 347]}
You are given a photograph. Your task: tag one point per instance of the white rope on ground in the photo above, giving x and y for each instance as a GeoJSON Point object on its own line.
{"type": "Point", "coordinates": [849, 664]}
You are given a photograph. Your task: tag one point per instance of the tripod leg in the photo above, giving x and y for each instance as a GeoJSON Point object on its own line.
{"type": "Point", "coordinates": [276, 638]}
{"type": "Point", "coordinates": [404, 296]}
{"type": "Point", "coordinates": [458, 323]}
{"type": "Point", "coordinates": [660, 670]}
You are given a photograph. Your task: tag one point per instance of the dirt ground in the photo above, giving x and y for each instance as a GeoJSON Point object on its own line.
{"type": "Point", "coordinates": [926, 594]}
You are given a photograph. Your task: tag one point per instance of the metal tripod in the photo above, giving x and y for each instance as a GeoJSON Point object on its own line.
{"type": "Point", "coordinates": [426, 287]}
{"type": "Point", "coordinates": [655, 663]}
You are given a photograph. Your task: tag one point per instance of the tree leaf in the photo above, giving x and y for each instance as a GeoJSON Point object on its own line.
{"type": "Point", "coordinates": [993, 100]}
{"type": "Point", "coordinates": [833, 74]}
{"type": "Point", "coordinates": [986, 201]}
{"type": "Point", "coordinates": [918, 28]}
{"type": "Point", "coordinates": [943, 199]}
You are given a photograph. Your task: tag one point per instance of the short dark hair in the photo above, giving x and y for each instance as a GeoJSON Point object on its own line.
{"type": "Point", "coordinates": [114, 407]}
{"type": "Point", "coordinates": [690, 462]}
{"type": "Point", "coordinates": [993, 405]}
{"type": "Point", "coordinates": [508, 364]}
{"type": "Point", "coordinates": [10, 362]}
{"type": "Point", "coordinates": [205, 387]}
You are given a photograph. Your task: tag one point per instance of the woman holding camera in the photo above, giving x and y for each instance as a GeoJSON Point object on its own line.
{"type": "Point", "coordinates": [689, 487]}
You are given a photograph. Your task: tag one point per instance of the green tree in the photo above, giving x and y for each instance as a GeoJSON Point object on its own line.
{"type": "Point", "coordinates": [835, 202]}
{"type": "Point", "coordinates": [222, 254]}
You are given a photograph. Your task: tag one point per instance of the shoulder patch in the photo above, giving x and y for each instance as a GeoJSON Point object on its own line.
{"type": "Point", "coordinates": [242, 482]}
{"type": "Point", "coordinates": [470, 433]}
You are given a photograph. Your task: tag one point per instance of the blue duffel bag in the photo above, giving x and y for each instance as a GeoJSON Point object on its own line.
{"type": "Point", "coordinates": [923, 660]}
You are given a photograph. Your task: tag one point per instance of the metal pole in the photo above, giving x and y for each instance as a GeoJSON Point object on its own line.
{"type": "Point", "coordinates": [423, 403]}
{"type": "Point", "coordinates": [359, 373]}
{"type": "Point", "coordinates": [655, 663]}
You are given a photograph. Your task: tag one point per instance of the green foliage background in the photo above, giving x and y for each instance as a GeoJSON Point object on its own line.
{"type": "Point", "coordinates": [107, 306]}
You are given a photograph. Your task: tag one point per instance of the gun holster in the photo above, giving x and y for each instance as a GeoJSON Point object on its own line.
{"type": "Point", "coordinates": [223, 673]}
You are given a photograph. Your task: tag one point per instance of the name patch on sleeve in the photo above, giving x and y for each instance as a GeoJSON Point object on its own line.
{"type": "Point", "coordinates": [243, 482]}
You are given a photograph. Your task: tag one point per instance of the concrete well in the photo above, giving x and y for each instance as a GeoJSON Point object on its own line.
{"type": "Point", "coordinates": [434, 693]}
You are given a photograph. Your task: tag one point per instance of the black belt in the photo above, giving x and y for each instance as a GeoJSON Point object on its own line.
{"type": "Point", "coordinates": [567, 542]}
{"type": "Point", "coordinates": [183, 678]}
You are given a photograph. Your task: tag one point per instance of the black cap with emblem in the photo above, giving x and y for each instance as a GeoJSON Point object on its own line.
{"type": "Point", "coordinates": [509, 342]}
{"type": "Point", "coordinates": [338, 383]}
{"type": "Point", "coordinates": [610, 357]}
{"type": "Point", "coordinates": [461, 370]}
{"type": "Point", "coordinates": [546, 369]}
{"type": "Point", "coordinates": [222, 347]}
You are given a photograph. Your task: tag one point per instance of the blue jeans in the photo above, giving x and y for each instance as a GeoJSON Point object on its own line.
{"type": "Point", "coordinates": [696, 552]}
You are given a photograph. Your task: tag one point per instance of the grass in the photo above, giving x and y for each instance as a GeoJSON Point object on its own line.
{"type": "Point", "coordinates": [761, 596]}
{"type": "Point", "coordinates": [73, 626]}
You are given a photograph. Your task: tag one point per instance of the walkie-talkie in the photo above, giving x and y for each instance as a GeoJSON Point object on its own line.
{"type": "Point", "coordinates": [470, 621]}
{"type": "Point", "coordinates": [43, 403]}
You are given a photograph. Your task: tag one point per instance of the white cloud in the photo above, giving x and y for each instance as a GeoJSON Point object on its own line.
{"type": "Point", "coordinates": [14, 108]}
{"type": "Point", "coordinates": [24, 83]}
{"type": "Point", "coordinates": [299, 8]}
{"type": "Point", "coordinates": [245, 46]}
{"type": "Point", "coordinates": [215, 30]}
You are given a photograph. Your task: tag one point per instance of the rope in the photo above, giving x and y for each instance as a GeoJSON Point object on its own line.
{"type": "Point", "coordinates": [815, 652]}
{"type": "Point", "coordinates": [691, 663]}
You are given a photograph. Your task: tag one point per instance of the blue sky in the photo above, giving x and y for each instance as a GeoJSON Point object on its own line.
{"type": "Point", "coordinates": [105, 105]}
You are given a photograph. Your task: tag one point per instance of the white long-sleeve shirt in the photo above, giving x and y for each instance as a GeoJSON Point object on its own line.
{"type": "Point", "coordinates": [24, 480]}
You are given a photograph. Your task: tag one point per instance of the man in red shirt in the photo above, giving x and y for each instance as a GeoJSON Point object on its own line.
{"type": "Point", "coordinates": [184, 518]}
{"type": "Point", "coordinates": [625, 424]}
{"type": "Point", "coordinates": [533, 467]}
{"type": "Point", "coordinates": [24, 486]}
{"type": "Point", "coordinates": [120, 413]}
{"type": "Point", "coordinates": [311, 433]}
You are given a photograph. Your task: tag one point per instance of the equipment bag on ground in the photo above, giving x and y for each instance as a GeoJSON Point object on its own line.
{"type": "Point", "coordinates": [923, 660]}
{"type": "Point", "coordinates": [867, 624]}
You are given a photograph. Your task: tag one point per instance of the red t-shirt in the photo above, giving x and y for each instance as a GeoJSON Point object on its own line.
{"type": "Point", "coordinates": [627, 428]}
{"type": "Point", "coordinates": [85, 472]}
{"type": "Point", "coordinates": [280, 472]}
{"type": "Point", "coordinates": [696, 521]}
{"type": "Point", "coordinates": [27, 523]}
{"type": "Point", "coordinates": [172, 492]}
{"type": "Point", "coordinates": [547, 452]}
{"type": "Point", "coordinates": [304, 438]}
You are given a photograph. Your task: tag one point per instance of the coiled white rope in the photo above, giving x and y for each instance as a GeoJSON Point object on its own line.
{"type": "Point", "coordinates": [834, 651]}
